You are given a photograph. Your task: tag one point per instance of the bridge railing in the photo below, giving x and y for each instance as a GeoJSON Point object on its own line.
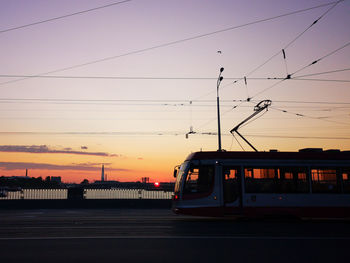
{"type": "Point", "coordinates": [40, 194]}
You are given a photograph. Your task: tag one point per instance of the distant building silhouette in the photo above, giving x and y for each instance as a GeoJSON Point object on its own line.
{"type": "Point", "coordinates": [103, 173]}
{"type": "Point", "coordinates": [145, 180]}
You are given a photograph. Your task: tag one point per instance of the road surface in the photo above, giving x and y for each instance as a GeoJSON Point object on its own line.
{"type": "Point", "coordinates": [125, 235]}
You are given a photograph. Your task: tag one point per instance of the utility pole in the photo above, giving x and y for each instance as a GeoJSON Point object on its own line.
{"type": "Point", "coordinates": [220, 78]}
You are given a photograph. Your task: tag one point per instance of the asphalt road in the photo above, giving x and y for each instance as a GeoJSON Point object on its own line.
{"type": "Point", "coordinates": [122, 235]}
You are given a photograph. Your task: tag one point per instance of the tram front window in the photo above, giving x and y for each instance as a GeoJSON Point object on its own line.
{"type": "Point", "coordinates": [179, 176]}
{"type": "Point", "coordinates": [199, 179]}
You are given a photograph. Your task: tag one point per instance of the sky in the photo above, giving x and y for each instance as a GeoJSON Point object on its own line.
{"type": "Point", "coordinates": [120, 83]}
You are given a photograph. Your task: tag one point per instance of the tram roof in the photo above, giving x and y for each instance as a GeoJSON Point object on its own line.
{"type": "Point", "coordinates": [303, 154]}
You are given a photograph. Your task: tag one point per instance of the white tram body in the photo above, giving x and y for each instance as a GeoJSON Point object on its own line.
{"type": "Point", "coordinates": [307, 183]}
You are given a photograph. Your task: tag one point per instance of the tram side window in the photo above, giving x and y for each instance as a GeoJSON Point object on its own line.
{"type": "Point", "coordinates": [276, 180]}
{"type": "Point", "coordinates": [261, 180]}
{"type": "Point", "coordinates": [294, 180]}
{"type": "Point", "coordinates": [346, 180]}
{"type": "Point", "coordinates": [231, 184]}
{"type": "Point", "coordinates": [325, 181]}
{"type": "Point", "coordinates": [200, 179]}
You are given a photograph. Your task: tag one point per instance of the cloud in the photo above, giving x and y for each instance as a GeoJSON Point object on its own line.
{"type": "Point", "coordinates": [91, 164]}
{"type": "Point", "coordinates": [47, 166]}
{"type": "Point", "coordinates": [140, 158]}
{"type": "Point", "coordinates": [46, 149]}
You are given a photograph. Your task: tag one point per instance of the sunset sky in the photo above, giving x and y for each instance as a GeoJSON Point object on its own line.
{"type": "Point", "coordinates": [86, 82]}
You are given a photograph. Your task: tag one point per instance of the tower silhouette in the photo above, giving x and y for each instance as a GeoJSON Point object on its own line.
{"type": "Point", "coordinates": [103, 173]}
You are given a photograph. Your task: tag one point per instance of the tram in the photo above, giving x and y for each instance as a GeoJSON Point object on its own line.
{"type": "Point", "coordinates": [308, 183]}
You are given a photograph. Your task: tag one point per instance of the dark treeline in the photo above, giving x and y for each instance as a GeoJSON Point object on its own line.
{"type": "Point", "coordinates": [49, 183]}
{"type": "Point", "coordinates": [129, 185]}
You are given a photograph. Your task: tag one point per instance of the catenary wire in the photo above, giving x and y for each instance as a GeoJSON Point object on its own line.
{"type": "Point", "coordinates": [162, 133]}
{"type": "Point", "coordinates": [167, 78]}
{"type": "Point", "coordinates": [171, 43]}
{"type": "Point", "coordinates": [276, 54]}
{"type": "Point", "coordinates": [289, 43]}
{"type": "Point", "coordinates": [312, 63]}
{"type": "Point", "coordinates": [321, 58]}
{"type": "Point", "coordinates": [61, 17]}
{"type": "Point", "coordinates": [321, 73]}
{"type": "Point", "coordinates": [309, 117]}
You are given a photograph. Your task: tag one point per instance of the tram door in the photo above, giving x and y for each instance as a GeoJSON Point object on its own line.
{"type": "Point", "coordinates": [232, 192]}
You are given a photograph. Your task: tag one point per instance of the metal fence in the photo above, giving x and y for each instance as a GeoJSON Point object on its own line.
{"type": "Point", "coordinates": [125, 194]}
{"type": "Point", "coordinates": [29, 194]}
{"type": "Point", "coordinates": [39, 194]}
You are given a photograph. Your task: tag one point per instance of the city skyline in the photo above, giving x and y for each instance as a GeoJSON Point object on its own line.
{"type": "Point", "coordinates": [87, 83]}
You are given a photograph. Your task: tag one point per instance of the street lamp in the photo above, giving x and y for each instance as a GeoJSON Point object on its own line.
{"type": "Point", "coordinates": [220, 78]}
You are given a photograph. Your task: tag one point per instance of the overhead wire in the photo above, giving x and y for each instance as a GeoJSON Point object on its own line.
{"type": "Point", "coordinates": [273, 56]}
{"type": "Point", "coordinates": [298, 137]}
{"type": "Point", "coordinates": [312, 63]}
{"type": "Point", "coordinates": [118, 77]}
{"type": "Point", "coordinates": [291, 42]}
{"type": "Point", "coordinates": [318, 19]}
{"type": "Point", "coordinates": [173, 78]}
{"type": "Point", "coordinates": [283, 51]}
{"type": "Point", "coordinates": [324, 80]}
{"type": "Point", "coordinates": [171, 43]}
{"type": "Point", "coordinates": [160, 133]}
{"type": "Point", "coordinates": [321, 73]}
{"type": "Point", "coordinates": [61, 17]}
{"type": "Point", "coordinates": [127, 102]}
{"type": "Point", "coordinates": [309, 117]}
{"type": "Point", "coordinates": [311, 102]}
{"type": "Point", "coordinates": [321, 58]}
{"type": "Point", "coordinates": [249, 78]}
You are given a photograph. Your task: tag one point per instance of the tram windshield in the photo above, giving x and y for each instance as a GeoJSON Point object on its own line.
{"type": "Point", "coordinates": [194, 178]}
{"type": "Point", "coordinates": [199, 179]}
{"type": "Point", "coordinates": [183, 168]}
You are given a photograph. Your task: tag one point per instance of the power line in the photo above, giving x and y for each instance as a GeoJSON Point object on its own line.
{"type": "Point", "coordinates": [291, 42]}
{"type": "Point", "coordinates": [318, 19]}
{"type": "Point", "coordinates": [103, 100]}
{"type": "Point", "coordinates": [321, 58]}
{"type": "Point", "coordinates": [160, 133]}
{"type": "Point", "coordinates": [285, 47]}
{"type": "Point", "coordinates": [314, 62]}
{"type": "Point", "coordinates": [102, 133]}
{"type": "Point", "coordinates": [172, 42]}
{"type": "Point", "coordinates": [168, 103]}
{"type": "Point", "coordinates": [310, 102]}
{"type": "Point", "coordinates": [321, 73]}
{"type": "Point", "coordinates": [185, 102]}
{"type": "Point", "coordinates": [324, 80]}
{"type": "Point", "coordinates": [279, 136]}
{"type": "Point", "coordinates": [167, 78]}
{"type": "Point", "coordinates": [61, 17]}
{"type": "Point", "coordinates": [270, 87]}
{"type": "Point", "coordinates": [152, 102]}
{"type": "Point", "coordinates": [309, 117]}
{"type": "Point", "coordinates": [298, 137]}
{"type": "Point", "coordinates": [119, 77]}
